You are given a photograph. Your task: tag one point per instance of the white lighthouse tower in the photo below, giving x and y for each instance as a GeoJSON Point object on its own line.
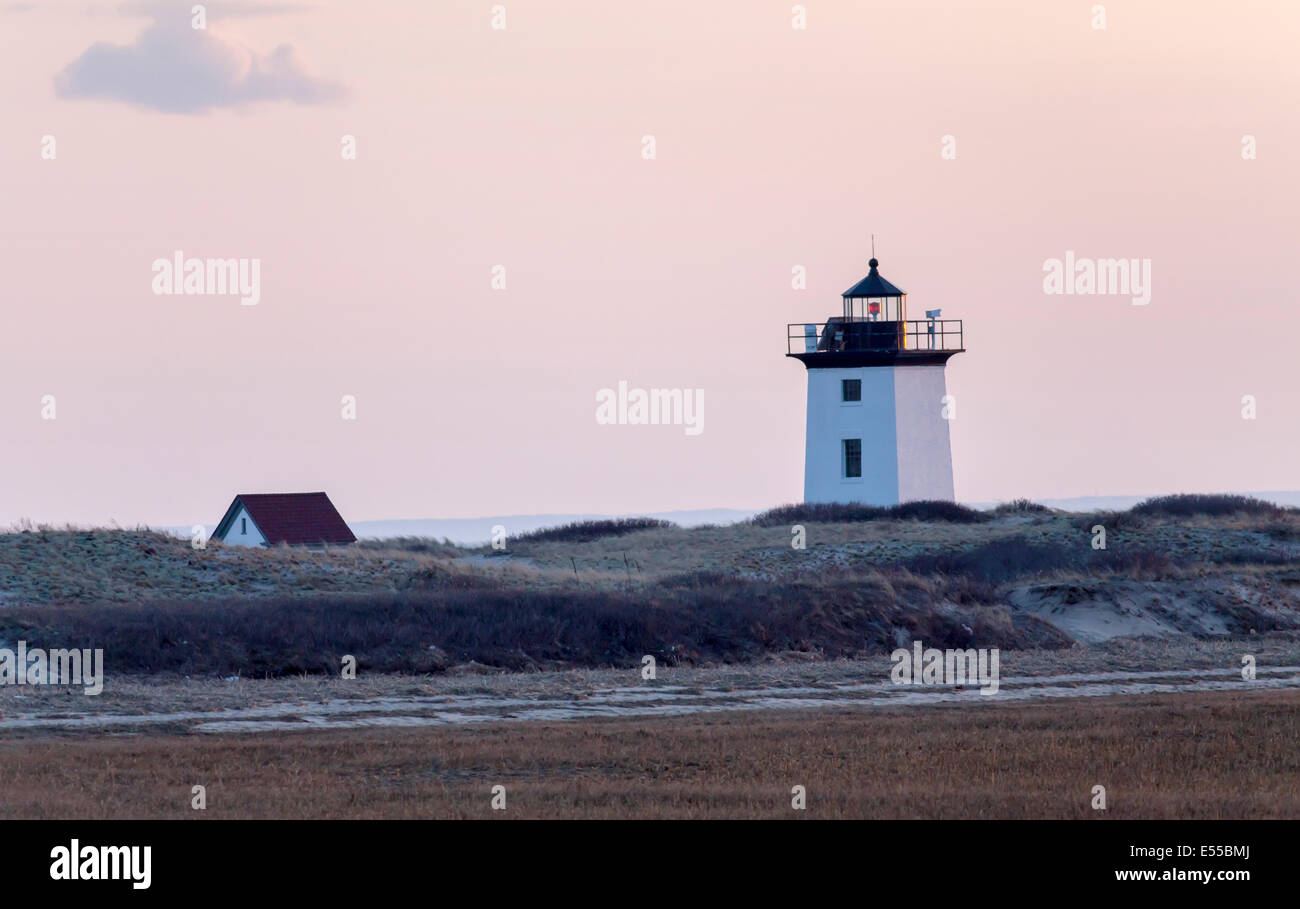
{"type": "Point", "coordinates": [877, 399]}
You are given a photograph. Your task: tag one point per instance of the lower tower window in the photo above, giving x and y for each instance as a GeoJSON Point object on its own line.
{"type": "Point", "coordinates": [852, 458]}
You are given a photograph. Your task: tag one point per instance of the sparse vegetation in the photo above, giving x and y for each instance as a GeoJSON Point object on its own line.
{"type": "Point", "coordinates": [44, 565]}
{"type": "Point", "coordinates": [839, 513]}
{"type": "Point", "coordinates": [696, 619]}
{"type": "Point", "coordinates": [1021, 507]}
{"type": "Point", "coordinates": [1187, 505]}
{"type": "Point", "coordinates": [586, 531]}
{"type": "Point", "coordinates": [421, 545]}
{"type": "Point", "coordinates": [1001, 561]}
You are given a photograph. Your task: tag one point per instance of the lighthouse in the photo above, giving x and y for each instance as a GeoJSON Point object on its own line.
{"type": "Point", "coordinates": [878, 405]}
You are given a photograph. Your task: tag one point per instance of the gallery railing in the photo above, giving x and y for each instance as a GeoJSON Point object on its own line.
{"type": "Point", "coordinates": [854, 335]}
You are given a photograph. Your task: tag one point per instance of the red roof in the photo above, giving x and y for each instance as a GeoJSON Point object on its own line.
{"type": "Point", "coordinates": [290, 517]}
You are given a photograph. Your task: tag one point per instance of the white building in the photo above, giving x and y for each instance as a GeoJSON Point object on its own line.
{"type": "Point", "coordinates": [878, 409]}
{"type": "Point", "coordinates": [241, 529]}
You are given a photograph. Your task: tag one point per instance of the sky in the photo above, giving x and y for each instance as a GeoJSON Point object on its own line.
{"type": "Point", "coordinates": [977, 142]}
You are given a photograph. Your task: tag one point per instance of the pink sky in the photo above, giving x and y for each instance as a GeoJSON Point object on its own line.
{"type": "Point", "coordinates": [522, 147]}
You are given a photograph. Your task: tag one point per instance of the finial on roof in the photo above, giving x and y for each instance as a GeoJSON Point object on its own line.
{"type": "Point", "coordinates": [873, 285]}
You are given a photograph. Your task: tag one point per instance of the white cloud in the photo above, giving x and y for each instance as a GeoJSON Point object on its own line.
{"type": "Point", "coordinates": [175, 68]}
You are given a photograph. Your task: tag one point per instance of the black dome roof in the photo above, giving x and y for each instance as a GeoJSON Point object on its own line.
{"type": "Point", "coordinates": [873, 285]}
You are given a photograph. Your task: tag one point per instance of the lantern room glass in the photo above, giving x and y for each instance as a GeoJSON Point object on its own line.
{"type": "Point", "coordinates": [875, 309]}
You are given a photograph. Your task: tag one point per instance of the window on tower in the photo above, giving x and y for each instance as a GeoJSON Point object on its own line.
{"type": "Point", "coordinates": [852, 458]}
{"type": "Point", "coordinates": [852, 389]}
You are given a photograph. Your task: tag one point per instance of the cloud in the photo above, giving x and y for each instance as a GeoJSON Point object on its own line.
{"type": "Point", "coordinates": [224, 9]}
{"type": "Point", "coordinates": [178, 69]}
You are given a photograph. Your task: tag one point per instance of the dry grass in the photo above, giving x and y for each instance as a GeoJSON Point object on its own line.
{"type": "Point", "coordinates": [1215, 755]}
{"type": "Point", "coordinates": [766, 552]}
{"type": "Point", "coordinates": [700, 594]}
{"type": "Point", "coordinates": [42, 565]}
{"type": "Point", "coordinates": [689, 620]}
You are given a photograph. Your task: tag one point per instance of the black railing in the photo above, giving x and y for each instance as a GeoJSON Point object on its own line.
{"type": "Point", "coordinates": [843, 335]}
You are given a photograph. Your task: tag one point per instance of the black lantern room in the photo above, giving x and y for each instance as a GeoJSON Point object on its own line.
{"type": "Point", "coordinates": [873, 299]}
{"type": "Point", "coordinates": [873, 330]}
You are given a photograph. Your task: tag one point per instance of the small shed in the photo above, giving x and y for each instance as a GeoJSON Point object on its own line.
{"type": "Point", "coordinates": [295, 518]}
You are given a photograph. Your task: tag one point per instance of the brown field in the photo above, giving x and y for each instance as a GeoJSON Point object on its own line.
{"type": "Point", "coordinates": [1204, 755]}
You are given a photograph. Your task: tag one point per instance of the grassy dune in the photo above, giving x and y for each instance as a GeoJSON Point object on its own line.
{"type": "Point", "coordinates": [605, 594]}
